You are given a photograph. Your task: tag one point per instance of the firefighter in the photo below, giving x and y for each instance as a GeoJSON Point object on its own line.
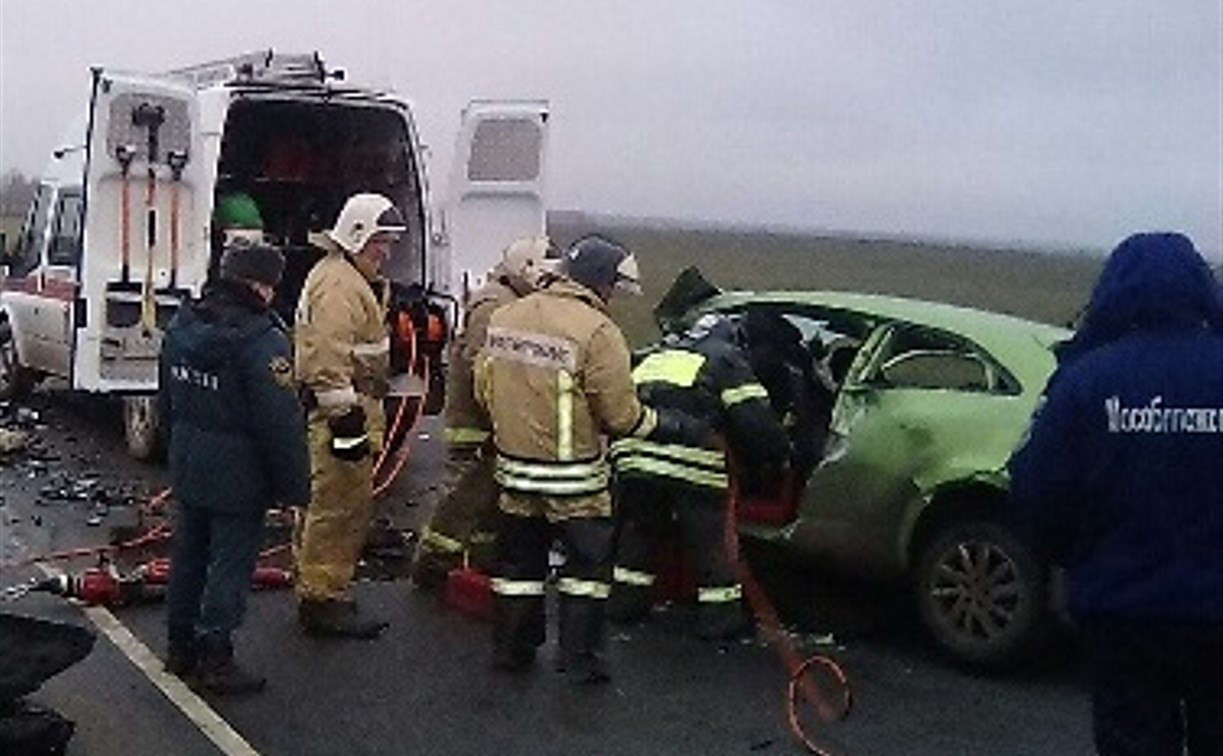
{"type": "Point", "coordinates": [800, 391]}
{"type": "Point", "coordinates": [464, 521]}
{"type": "Point", "coordinates": [659, 488]}
{"type": "Point", "coordinates": [554, 377]}
{"type": "Point", "coordinates": [342, 364]}
{"type": "Point", "coordinates": [231, 404]}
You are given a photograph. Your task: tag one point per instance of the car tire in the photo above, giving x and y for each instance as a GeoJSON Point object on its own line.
{"type": "Point", "coordinates": [142, 428]}
{"type": "Point", "coordinates": [16, 380]}
{"type": "Point", "coordinates": [981, 594]}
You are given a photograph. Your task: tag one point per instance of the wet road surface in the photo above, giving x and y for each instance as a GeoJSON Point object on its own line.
{"type": "Point", "coordinates": [425, 686]}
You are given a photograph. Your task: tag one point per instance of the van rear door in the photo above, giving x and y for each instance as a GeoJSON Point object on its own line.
{"type": "Point", "coordinates": [496, 190]}
{"type": "Point", "coordinates": [144, 248]}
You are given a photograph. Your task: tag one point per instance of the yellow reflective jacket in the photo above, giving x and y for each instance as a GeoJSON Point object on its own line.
{"type": "Point", "coordinates": [554, 377]}
{"type": "Point", "coordinates": [466, 422]}
{"type": "Point", "coordinates": [342, 349]}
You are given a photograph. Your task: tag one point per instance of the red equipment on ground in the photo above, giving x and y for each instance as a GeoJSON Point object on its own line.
{"type": "Point", "coordinates": [105, 586]}
{"type": "Point", "coordinates": [469, 591]}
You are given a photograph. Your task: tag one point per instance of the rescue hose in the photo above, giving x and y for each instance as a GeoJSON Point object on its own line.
{"type": "Point", "coordinates": [799, 679]}
{"type": "Point", "coordinates": [403, 401]}
{"type": "Point", "coordinates": [163, 532]}
{"type": "Point", "coordinates": [405, 448]}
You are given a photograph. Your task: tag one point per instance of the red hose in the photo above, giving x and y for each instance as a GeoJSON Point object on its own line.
{"type": "Point", "coordinates": [405, 448]}
{"type": "Point", "coordinates": [798, 671]}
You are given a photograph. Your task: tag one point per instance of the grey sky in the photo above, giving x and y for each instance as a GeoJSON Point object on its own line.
{"type": "Point", "coordinates": [1038, 121]}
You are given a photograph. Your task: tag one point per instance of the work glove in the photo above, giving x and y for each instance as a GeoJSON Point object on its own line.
{"type": "Point", "coordinates": [349, 440]}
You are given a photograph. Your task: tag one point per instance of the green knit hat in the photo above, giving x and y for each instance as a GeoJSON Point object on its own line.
{"type": "Point", "coordinates": [237, 211]}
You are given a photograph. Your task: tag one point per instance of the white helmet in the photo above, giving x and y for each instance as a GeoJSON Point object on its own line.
{"type": "Point", "coordinates": [363, 216]}
{"type": "Point", "coordinates": [530, 257]}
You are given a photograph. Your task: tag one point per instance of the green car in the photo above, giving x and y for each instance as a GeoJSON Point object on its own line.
{"type": "Point", "coordinates": [930, 401]}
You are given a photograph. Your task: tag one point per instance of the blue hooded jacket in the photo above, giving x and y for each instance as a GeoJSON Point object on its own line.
{"type": "Point", "coordinates": [237, 430]}
{"type": "Point", "coordinates": [1120, 477]}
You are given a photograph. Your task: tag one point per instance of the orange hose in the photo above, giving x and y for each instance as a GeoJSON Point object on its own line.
{"type": "Point", "coordinates": [163, 532]}
{"type": "Point", "coordinates": [394, 428]}
{"type": "Point", "coordinates": [797, 670]}
{"type": "Point", "coordinates": [405, 448]}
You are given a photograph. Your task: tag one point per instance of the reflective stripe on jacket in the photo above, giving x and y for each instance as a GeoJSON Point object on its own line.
{"type": "Point", "coordinates": [554, 377]}
{"type": "Point", "coordinates": [466, 422]}
{"type": "Point", "coordinates": [708, 379]}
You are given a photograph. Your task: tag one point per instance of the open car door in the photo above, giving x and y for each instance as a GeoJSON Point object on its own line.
{"type": "Point", "coordinates": [496, 190]}
{"type": "Point", "coordinates": [140, 244]}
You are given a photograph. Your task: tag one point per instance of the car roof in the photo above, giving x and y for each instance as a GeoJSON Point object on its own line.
{"type": "Point", "coordinates": [1008, 337]}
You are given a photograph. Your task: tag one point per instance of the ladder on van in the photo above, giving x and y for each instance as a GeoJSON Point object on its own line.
{"type": "Point", "coordinates": [261, 66]}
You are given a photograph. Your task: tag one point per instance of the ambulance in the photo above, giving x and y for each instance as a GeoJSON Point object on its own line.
{"type": "Point", "coordinates": [122, 228]}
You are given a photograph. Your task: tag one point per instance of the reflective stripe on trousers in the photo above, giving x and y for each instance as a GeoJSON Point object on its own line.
{"type": "Point", "coordinates": [440, 541]}
{"type": "Point", "coordinates": [636, 578]}
{"type": "Point", "coordinates": [719, 594]}
{"type": "Point", "coordinates": [337, 521]}
{"type": "Point", "coordinates": [511, 588]}
{"type": "Point", "coordinates": [576, 587]}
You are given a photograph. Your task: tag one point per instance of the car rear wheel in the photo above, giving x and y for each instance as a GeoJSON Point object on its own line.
{"type": "Point", "coordinates": [981, 593]}
{"type": "Point", "coordinates": [16, 380]}
{"type": "Point", "coordinates": [142, 428]}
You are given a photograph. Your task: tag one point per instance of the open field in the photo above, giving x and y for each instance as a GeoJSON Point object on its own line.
{"type": "Point", "coordinates": [1042, 286]}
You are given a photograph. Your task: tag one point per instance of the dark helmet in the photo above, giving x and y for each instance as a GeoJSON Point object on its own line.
{"type": "Point", "coordinates": [247, 260]}
{"type": "Point", "coordinates": [762, 325]}
{"type": "Point", "coordinates": [598, 263]}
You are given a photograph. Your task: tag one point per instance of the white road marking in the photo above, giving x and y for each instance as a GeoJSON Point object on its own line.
{"type": "Point", "coordinates": [212, 725]}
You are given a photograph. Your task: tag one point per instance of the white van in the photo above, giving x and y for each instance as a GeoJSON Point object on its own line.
{"type": "Point", "coordinates": [120, 233]}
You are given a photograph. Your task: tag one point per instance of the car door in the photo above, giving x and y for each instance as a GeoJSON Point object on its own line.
{"type": "Point", "coordinates": [497, 189]}
{"type": "Point", "coordinates": [914, 410]}
{"type": "Point", "coordinates": [59, 276]}
{"type": "Point", "coordinates": [143, 133]}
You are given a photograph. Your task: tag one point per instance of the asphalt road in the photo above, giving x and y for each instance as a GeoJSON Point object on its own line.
{"type": "Point", "coordinates": [425, 686]}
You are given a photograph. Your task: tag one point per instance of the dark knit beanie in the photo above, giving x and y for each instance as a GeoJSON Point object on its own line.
{"type": "Point", "coordinates": [246, 260]}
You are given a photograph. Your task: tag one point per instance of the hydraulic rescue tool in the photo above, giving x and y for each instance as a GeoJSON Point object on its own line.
{"type": "Point", "coordinates": [104, 585]}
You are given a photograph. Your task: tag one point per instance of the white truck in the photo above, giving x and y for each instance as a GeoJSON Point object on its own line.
{"type": "Point", "coordinates": [120, 231]}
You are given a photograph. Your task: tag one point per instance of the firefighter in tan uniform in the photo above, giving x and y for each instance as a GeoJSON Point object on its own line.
{"type": "Point", "coordinates": [554, 377]}
{"type": "Point", "coordinates": [462, 526]}
{"type": "Point", "coordinates": [342, 363]}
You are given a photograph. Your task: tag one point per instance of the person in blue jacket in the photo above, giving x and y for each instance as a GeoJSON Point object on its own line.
{"type": "Point", "coordinates": [237, 446]}
{"type": "Point", "coordinates": [1119, 481]}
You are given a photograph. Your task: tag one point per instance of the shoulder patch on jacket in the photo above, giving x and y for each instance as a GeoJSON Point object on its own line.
{"type": "Point", "coordinates": [282, 371]}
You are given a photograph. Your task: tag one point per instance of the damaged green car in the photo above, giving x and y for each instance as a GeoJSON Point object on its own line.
{"type": "Point", "coordinates": [928, 402]}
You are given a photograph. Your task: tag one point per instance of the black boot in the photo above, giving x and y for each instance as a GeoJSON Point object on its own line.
{"type": "Point", "coordinates": [518, 630]}
{"type": "Point", "coordinates": [629, 604]}
{"type": "Point", "coordinates": [182, 652]}
{"type": "Point", "coordinates": [218, 673]}
{"type": "Point", "coordinates": [430, 568]}
{"type": "Point", "coordinates": [337, 619]}
{"type": "Point", "coordinates": [723, 622]}
{"type": "Point", "coordinates": [581, 641]}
